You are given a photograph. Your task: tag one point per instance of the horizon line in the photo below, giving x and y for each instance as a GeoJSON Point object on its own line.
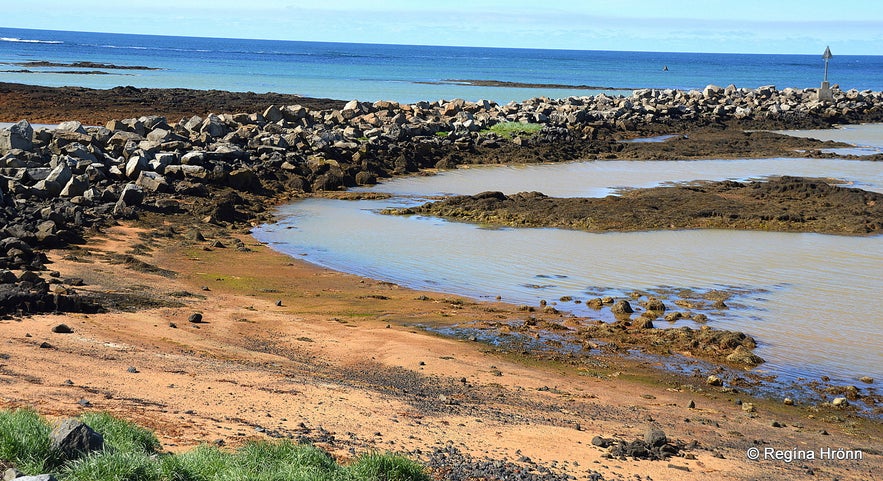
{"type": "Point", "coordinates": [561, 49]}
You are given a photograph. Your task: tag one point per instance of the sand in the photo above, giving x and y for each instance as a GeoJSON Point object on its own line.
{"type": "Point", "coordinates": [288, 349]}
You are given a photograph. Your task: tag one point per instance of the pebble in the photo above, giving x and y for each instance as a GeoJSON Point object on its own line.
{"type": "Point", "coordinates": [62, 329]}
{"type": "Point", "coordinates": [195, 318]}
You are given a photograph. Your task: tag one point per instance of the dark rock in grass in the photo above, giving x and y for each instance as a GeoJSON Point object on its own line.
{"type": "Point", "coordinates": [73, 439]}
{"type": "Point", "coordinates": [62, 329]}
{"type": "Point", "coordinates": [195, 318]}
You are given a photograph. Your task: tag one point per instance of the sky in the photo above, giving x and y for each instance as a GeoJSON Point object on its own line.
{"type": "Point", "coordinates": [853, 27]}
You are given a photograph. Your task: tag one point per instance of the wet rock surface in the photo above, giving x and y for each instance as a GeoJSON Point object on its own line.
{"type": "Point", "coordinates": [778, 204]}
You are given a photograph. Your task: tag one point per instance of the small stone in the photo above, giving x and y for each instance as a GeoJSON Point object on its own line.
{"type": "Point", "coordinates": [85, 403]}
{"type": "Point", "coordinates": [788, 401]}
{"type": "Point", "coordinates": [600, 442]}
{"type": "Point", "coordinates": [714, 381]}
{"type": "Point", "coordinates": [133, 370]}
{"type": "Point", "coordinates": [11, 474]}
{"type": "Point", "coordinates": [62, 329]}
{"type": "Point", "coordinates": [45, 345]}
{"type": "Point", "coordinates": [866, 379]}
{"type": "Point", "coordinates": [748, 407]}
{"type": "Point", "coordinates": [692, 404]}
{"type": "Point", "coordinates": [195, 318]}
{"type": "Point", "coordinates": [279, 303]}
{"type": "Point", "coordinates": [173, 325]}
{"type": "Point", "coordinates": [840, 402]}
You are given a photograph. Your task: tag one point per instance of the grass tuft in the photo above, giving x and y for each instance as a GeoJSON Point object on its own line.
{"type": "Point", "coordinates": [24, 441]}
{"type": "Point", "coordinates": [120, 435]}
{"type": "Point", "coordinates": [508, 130]}
{"type": "Point", "coordinates": [386, 467]}
{"type": "Point", "coordinates": [132, 453]}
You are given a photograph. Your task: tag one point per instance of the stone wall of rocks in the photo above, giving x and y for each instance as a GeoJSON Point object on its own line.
{"type": "Point", "coordinates": [57, 182]}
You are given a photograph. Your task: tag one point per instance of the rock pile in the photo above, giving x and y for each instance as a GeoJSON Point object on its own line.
{"type": "Point", "coordinates": [57, 182]}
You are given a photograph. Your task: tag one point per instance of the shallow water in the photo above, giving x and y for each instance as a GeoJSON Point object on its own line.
{"type": "Point", "coordinates": [867, 138]}
{"type": "Point", "coordinates": [809, 299]}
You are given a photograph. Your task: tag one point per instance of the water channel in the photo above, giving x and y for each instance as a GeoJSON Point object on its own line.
{"type": "Point", "coordinates": [809, 299]}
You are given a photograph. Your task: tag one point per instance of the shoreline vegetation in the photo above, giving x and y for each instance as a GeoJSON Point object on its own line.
{"type": "Point", "coordinates": [124, 232]}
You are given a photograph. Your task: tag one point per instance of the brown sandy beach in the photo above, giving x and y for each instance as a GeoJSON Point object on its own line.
{"type": "Point", "coordinates": [287, 349]}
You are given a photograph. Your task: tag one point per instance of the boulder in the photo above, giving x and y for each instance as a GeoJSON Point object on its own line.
{"type": "Point", "coordinates": [131, 195]}
{"type": "Point", "coordinates": [17, 136]}
{"type": "Point", "coordinates": [72, 126]}
{"type": "Point", "coordinates": [654, 304]}
{"type": "Point", "coordinates": [152, 182]}
{"type": "Point", "coordinates": [76, 186]}
{"type": "Point", "coordinates": [39, 477]}
{"type": "Point", "coordinates": [743, 355]}
{"type": "Point", "coordinates": [655, 437]}
{"type": "Point", "coordinates": [213, 126]}
{"type": "Point", "coordinates": [73, 439]}
{"type": "Point", "coordinates": [273, 114]}
{"type": "Point", "coordinates": [134, 166]}
{"type": "Point", "coordinates": [622, 307]}
{"type": "Point", "coordinates": [61, 174]}
{"type": "Point", "coordinates": [243, 179]}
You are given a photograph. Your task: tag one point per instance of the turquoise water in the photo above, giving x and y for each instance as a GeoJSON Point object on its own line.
{"type": "Point", "coordinates": [400, 72]}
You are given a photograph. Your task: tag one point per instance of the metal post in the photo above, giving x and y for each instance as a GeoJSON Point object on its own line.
{"type": "Point", "coordinates": [825, 91]}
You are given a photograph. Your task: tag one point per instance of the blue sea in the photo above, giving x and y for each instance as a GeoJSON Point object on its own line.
{"type": "Point", "coordinates": [402, 73]}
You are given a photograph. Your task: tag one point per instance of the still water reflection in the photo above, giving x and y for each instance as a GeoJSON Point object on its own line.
{"type": "Point", "coordinates": [809, 299]}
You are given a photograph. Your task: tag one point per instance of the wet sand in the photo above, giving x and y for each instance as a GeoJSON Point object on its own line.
{"type": "Point", "coordinates": [289, 349]}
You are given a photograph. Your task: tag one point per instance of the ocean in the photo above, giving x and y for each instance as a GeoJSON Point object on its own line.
{"type": "Point", "coordinates": [402, 73]}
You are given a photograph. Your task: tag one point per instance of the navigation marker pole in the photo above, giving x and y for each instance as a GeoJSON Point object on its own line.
{"type": "Point", "coordinates": [825, 91]}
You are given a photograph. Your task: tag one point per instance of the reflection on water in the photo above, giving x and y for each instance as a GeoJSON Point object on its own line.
{"type": "Point", "coordinates": [809, 299]}
{"type": "Point", "coordinates": [867, 138]}
{"type": "Point", "coordinates": [602, 177]}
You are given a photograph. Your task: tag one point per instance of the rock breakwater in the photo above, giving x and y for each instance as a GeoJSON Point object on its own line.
{"type": "Point", "coordinates": [224, 168]}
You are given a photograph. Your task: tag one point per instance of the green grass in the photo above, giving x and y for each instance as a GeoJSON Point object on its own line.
{"type": "Point", "coordinates": [509, 130]}
{"type": "Point", "coordinates": [132, 453]}
{"type": "Point", "coordinates": [24, 441]}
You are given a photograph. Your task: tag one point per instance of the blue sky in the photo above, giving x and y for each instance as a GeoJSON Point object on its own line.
{"type": "Point", "coordinates": [748, 26]}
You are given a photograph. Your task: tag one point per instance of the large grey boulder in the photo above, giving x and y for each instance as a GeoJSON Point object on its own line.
{"type": "Point", "coordinates": [76, 186]}
{"type": "Point", "coordinates": [72, 126]}
{"type": "Point", "coordinates": [131, 195]}
{"type": "Point", "coordinates": [152, 181]}
{"type": "Point", "coordinates": [135, 165]}
{"type": "Point", "coordinates": [73, 439]}
{"type": "Point", "coordinates": [18, 136]}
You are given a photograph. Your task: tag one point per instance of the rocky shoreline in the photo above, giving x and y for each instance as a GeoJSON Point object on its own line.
{"type": "Point", "coordinates": [197, 182]}
{"type": "Point", "coordinates": [228, 168]}
{"type": "Point", "coordinates": [787, 204]}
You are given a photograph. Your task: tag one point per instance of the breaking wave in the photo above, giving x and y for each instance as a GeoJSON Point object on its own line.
{"type": "Point", "coordinates": [24, 40]}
